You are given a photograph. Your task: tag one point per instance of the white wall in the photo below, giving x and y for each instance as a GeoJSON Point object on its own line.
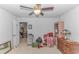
{"type": "Point", "coordinates": [71, 20]}
{"type": "Point", "coordinates": [5, 26]}
{"type": "Point", "coordinates": [40, 26]}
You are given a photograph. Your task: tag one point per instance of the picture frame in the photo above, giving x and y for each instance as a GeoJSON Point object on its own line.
{"type": "Point", "coordinates": [29, 26]}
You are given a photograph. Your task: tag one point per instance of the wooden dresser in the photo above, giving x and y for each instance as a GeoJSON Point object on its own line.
{"type": "Point", "coordinates": [65, 46]}
{"type": "Point", "coordinates": [68, 46]}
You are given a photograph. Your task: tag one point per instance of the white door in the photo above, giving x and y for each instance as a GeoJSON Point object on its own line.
{"type": "Point", "coordinates": [15, 34]}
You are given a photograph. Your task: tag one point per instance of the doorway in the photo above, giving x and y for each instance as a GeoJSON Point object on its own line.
{"type": "Point", "coordinates": [23, 32]}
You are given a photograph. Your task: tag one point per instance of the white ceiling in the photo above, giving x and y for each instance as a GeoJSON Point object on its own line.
{"type": "Point", "coordinates": [58, 9]}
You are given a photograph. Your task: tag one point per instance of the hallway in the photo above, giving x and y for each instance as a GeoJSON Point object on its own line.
{"type": "Point", "coordinates": [24, 49]}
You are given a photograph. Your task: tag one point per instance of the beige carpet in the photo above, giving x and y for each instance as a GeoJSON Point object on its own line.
{"type": "Point", "coordinates": [24, 49]}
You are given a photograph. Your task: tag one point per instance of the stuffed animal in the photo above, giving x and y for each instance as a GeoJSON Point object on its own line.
{"type": "Point", "coordinates": [49, 39]}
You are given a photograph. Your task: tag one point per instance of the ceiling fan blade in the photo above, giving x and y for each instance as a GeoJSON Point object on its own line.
{"type": "Point", "coordinates": [48, 8]}
{"type": "Point", "coordinates": [42, 13]}
{"type": "Point", "coordinates": [25, 7]}
{"type": "Point", "coordinates": [31, 13]}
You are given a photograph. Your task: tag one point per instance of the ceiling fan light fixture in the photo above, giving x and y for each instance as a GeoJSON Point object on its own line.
{"type": "Point", "coordinates": [37, 12]}
{"type": "Point", "coordinates": [37, 9]}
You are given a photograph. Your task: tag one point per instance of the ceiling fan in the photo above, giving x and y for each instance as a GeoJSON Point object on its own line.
{"type": "Point", "coordinates": [37, 9]}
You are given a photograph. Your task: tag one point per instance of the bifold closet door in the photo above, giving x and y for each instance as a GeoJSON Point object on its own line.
{"type": "Point", "coordinates": [15, 40]}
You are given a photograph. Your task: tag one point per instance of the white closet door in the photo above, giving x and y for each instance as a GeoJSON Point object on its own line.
{"type": "Point", "coordinates": [15, 34]}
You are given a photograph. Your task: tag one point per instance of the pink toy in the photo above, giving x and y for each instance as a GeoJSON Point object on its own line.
{"type": "Point", "coordinates": [49, 39]}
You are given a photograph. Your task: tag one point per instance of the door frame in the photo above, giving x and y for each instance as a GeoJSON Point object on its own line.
{"type": "Point", "coordinates": [19, 30]}
{"type": "Point", "coordinates": [13, 35]}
